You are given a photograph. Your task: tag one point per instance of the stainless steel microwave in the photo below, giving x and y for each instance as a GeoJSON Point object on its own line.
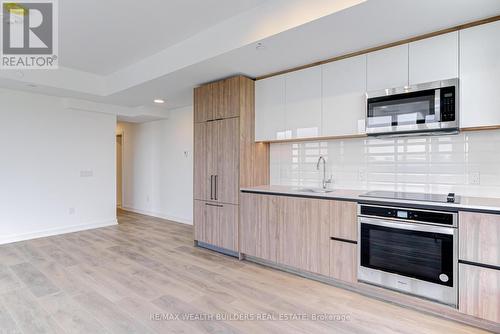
{"type": "Point", "coordinates": [420, 109]}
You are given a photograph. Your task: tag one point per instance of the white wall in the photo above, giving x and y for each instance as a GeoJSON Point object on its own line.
{"type": "Point", "coordinates": [44, 147]}
{"type": "Point", "coordinates": [466, 164]}
{"type": "Point", "coordinates": [157, 175]}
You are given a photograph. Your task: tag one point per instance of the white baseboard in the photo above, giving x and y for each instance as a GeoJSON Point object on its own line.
{"type": "Point", "coordinates": [56, 231]}
{"type": "Point", "coordinates": [159, 215]}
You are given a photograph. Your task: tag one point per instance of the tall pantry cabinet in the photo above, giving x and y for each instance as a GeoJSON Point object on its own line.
{"type": "Point", "coordinates": [226, 158]}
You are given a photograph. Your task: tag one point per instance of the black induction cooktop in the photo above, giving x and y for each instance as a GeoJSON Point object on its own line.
{"type": "Point", "coordinates": [408, 196]}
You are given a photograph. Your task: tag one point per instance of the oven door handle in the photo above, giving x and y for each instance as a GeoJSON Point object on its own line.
{"type": "Point", "coordinates": [408, 226]}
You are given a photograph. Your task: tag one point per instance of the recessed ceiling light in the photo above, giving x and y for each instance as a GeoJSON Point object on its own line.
{"type": "Point", "coordinates": [159, 101]}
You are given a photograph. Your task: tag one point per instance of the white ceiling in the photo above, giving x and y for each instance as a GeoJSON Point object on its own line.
{"type": "Point", "coordinates": [103, 36]}
{"type": "Point", "coordinates": [294, 32]}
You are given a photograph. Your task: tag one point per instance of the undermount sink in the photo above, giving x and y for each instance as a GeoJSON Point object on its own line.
{"type": "Point", "coordinates": [315, 190]}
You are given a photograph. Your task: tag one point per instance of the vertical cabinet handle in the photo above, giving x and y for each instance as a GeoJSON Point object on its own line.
{"type": "Point", "coordinates": [216, 195]}
{"type": "Point", "coordinates": [211, 187]}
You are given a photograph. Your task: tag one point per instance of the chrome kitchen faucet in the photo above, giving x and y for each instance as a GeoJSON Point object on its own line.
{"type": "Point", "coordinates": [325, 181]}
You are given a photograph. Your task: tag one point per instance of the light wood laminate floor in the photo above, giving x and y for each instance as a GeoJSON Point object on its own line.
{"type": "Point", "coordinates": [116, 279]}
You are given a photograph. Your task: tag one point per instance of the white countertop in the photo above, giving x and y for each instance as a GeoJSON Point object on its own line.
{"type": "Point", "coordinates": [466, 203]}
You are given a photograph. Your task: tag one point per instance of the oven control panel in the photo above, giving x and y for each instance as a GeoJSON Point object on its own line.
{"type": "Point", "coordinates": [417, 215]}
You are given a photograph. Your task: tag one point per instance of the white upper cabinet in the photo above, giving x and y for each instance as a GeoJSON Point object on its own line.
{"type": "Point", "coordinates": [329, 100]}
{"type": "Point", "coordinates": [270, 109]}
{"type": "Point", "coordinates": [303, 103]}
{"type": "Point", "coordinates": [344, 98]}
{"type": "Point", "coordinates": [480, 75]}
{"type": "Point", "coordinates": [434, 59]}
{"type": "Point", "coordinates": [387, 68]}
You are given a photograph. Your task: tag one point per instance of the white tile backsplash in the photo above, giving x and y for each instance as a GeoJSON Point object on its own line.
{"type": "Point", "coordinates": [433, 164]}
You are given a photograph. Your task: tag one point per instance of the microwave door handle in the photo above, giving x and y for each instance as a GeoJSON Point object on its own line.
{"type": "Point", "coordinates": [437, 105]}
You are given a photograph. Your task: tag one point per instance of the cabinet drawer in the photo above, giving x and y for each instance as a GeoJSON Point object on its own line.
{"type": "Point", "coordinates": [343, 261]}
{"type": "Point", "coordinates": [479, 236]}
{"type": "Point", "coordinates": [479, 293]}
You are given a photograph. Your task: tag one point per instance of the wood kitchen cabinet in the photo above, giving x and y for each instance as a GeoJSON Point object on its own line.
{"type": "Point", "coordinates": [227, 187]}
{"type": "Point", "coordinates": [217, 224]}
{"type": "Point", "coordinates": [206, 217]}
{"type": "Point", "coordinates": [217, 100]}
{"type": "Point", "coordinates": [343, 243]}
{"type": "Point", "coordinates": [344, 261]}
{"type": "Point", "coordinates": [296, 232]}
{"type": "Point", "coordinates": [212, 149]}
{"type": "Point", "coordinates": [226, 98]}
{"type": "Point", "coordinates": [479, 235]}
{"type": "Point", "coordinates": [208, 137]}
{"type": "Point", "coordinates": [286, 230]}
{"type": "Point", "coordinates": [226, 158]}
{"type": "Point", "coordinates": [344, 220]}
{"type": "Point", "coordinates": [227, 233]}
{"type": "Point", "coordinates": [216, 150]}
{"type": "Point", "coordinates": [303, 239]}
{"type": "Point", "coordinates": [479, 265]}
{"type": "Point", "coordinates": [480, 76]}
{"type": "Point", "coordinates": [260, 226]}
{"type": "Point", "coordinates": [203, 103]}
{"type": "Point", "coordinates": [201, 180]}
{"type": "Point", "coordinates": [479, 292]}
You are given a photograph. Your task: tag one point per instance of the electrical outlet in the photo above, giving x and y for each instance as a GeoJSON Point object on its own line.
{"type": "Point", "coordinates": [86, 173]}
{"type": "Point", "coordinates": [475, 178]}
{"type": "Point", "coordinates": [147, 198]}
{"type": "Point", "coordinates": [71, 211]}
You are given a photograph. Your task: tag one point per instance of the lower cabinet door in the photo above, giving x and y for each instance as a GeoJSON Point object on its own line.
{"type": "Point", "coordinates": [303, 236]}
{"type": "Point", "coordinates": [259, 225]}
{"type": "Point", "coordinates": [216, 224]}
{"type": "Point", "coordinates": [343, 261]}
{"type": "Point", "coordinates": [479, 292]}
{"type": "Point", "coordinates": [227, 234]}
{"type": "Point", "coordinates": [206, 221]}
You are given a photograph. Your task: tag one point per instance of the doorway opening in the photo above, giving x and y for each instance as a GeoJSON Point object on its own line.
{"type": "Point", "coordinates": [119, 170]}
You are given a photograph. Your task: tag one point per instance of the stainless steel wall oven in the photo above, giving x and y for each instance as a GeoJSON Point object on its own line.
{"type": "Point", "coordinates": [409, 250]}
